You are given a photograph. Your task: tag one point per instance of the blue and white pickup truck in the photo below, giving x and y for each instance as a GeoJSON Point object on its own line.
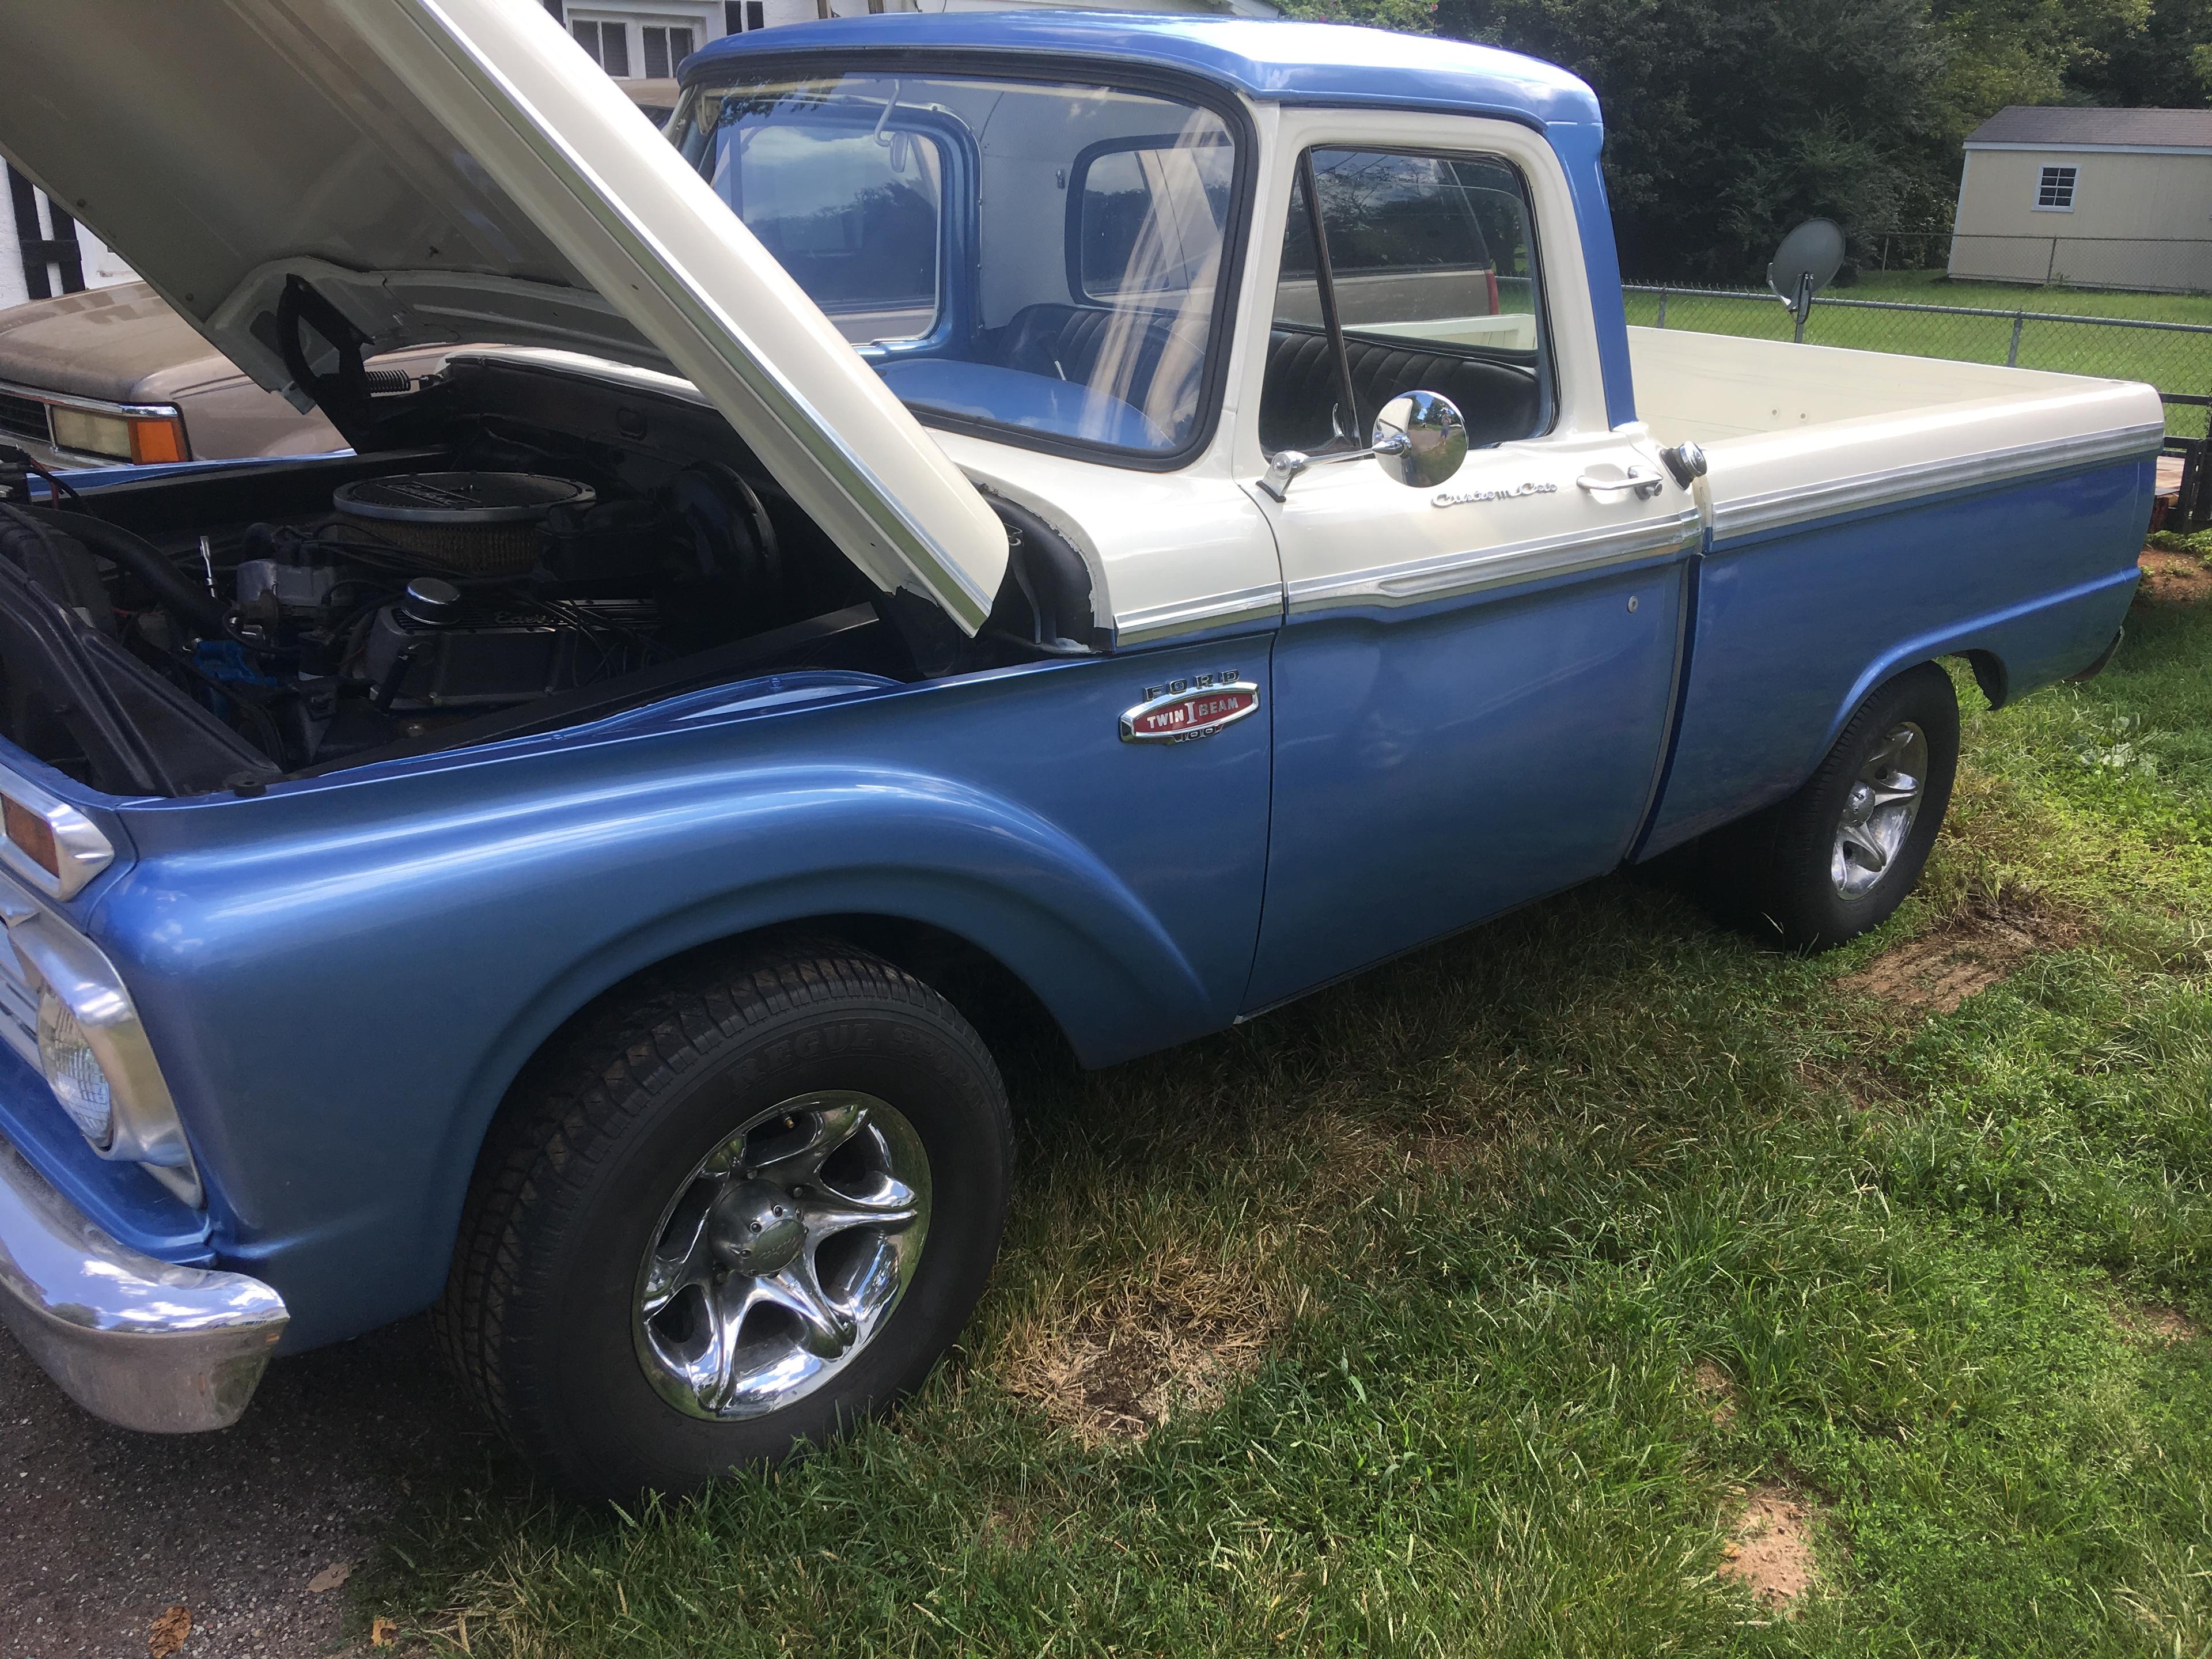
{"type": "Point", "coordinates": [1158, 513]}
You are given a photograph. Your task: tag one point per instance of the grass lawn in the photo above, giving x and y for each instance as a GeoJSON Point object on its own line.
{"type": "Point", "coordinates": [2171, 362]}
{"type": "Point", "coordinates": [1467, 1308]}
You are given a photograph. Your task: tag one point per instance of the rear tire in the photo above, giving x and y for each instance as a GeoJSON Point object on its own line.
{"type": "Point", "coordinates": [1837, 858]}
{"type": "Point", "coordinates": [615, 1304]}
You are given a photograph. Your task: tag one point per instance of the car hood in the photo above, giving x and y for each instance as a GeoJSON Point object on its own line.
{"type": "Point", "coordinates": [120, 344]}
{"type": "Point", "coordinates": [457, 171]}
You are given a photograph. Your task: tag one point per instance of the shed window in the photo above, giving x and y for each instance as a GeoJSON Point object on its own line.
{"type": "Point", "coordinates": [2054, 190]}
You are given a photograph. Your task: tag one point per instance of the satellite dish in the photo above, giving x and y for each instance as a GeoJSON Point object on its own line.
{"type": "Point", "coordinates": [1807, 262]}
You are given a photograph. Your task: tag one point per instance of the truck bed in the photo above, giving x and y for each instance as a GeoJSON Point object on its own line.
{"type": "Point", "coordinates": [1867, 511]}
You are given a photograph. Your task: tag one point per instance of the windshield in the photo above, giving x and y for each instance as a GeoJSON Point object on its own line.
{"type": "Point", "coordinates": [1011, 254]}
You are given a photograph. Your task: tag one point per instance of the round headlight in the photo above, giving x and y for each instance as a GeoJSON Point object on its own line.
{"type": "Point", "coordinates": [73, 1071]}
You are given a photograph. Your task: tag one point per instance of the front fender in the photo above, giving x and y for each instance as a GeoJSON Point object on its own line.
{"type": "Point", "coordinates": [341, 997]}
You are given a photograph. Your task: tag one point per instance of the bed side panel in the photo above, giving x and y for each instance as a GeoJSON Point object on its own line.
{"type": "Point", "coordinates": [1795, 625]}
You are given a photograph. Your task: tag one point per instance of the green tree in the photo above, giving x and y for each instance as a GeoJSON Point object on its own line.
{"type": "Point", "coordinates": [2164, 61]}
{"type": "Point", "coordinates": [1728, 122]}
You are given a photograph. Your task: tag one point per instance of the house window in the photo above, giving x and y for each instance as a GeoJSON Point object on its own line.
{"type": "Point", "coordinates": [607, 44]}
{"type": "Point", "coordinates": [2054, 190]}
{"type": "Point", "coordinates": [664, 48]}
{"type": "Point", "coordinates": [741, 16]}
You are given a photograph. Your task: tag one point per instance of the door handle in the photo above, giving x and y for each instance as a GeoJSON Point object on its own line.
{"type": "Point", "coordinates": [1645, 484]}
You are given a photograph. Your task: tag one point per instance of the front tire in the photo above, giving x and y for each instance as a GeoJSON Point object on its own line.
{"type": "Point", "coordinates": [729, 1214]}
{"type": "Point", "coordinates": [1838, 857]}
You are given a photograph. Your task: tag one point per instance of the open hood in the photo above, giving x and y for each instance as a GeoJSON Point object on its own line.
{"type": "Point", "coordinates": [457, 171]}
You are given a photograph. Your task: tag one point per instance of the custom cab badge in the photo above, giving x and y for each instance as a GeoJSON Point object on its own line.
{"type": "Point", "coordinates": [1463, 497]}
{"type": "Point", "coordinates": [1183, 711]}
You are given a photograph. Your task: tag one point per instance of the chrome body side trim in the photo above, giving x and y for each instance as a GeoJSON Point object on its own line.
{"type": "Point", "coordinates": [1262, 605]}
{"type": "Point", "coordinates": [1779, 509]}
{"type": "Point", "coordinates": [85, 852]}
{"type": "Point", "coordinates": [145, 1344]}
{"type": "Point", "coordinates": [1453, 575]}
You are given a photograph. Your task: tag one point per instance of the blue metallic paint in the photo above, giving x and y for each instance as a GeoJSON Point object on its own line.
{"type": "Point", "coordinates": [1995, 570]}
{"type": "Point", "coordinates": [1436, 766]}
{"type": "Point", "coordinates": [342, 977]}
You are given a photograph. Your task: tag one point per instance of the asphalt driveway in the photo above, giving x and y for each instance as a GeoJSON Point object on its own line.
{"type": "Point", "coordinates": [102, 1531]}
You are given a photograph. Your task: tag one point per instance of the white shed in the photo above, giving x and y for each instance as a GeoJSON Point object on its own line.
{"type": "Point", "coordinates": [2093, 197]}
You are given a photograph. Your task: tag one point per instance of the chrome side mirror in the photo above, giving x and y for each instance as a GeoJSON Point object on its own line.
{"type": "Point", "coordinates": [1420, 439]}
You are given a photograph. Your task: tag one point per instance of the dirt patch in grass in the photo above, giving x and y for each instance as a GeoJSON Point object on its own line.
{"type": "Point", "coordinates": [1716, 1391]}
{"type": "Point", "coordinates": [1177, 1341]}
{"type": "Point", "coordinates": [1937, 972]}
{"type": "Point", "coordinates": [2159, 1324]}
{"type": "Point", "coordinates": [2174, 578]}
{"type": "Point", "coordinates": [1770, 1550]}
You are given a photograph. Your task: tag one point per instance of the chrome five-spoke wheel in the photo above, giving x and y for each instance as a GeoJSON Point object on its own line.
{"type": "Point", "coordinates": [780, 1256]}
{"type": "Point", "coordinates": [1878, 810]}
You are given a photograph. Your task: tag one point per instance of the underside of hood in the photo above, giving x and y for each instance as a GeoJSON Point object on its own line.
{"type": "Point", "coordinates": [421, 172]}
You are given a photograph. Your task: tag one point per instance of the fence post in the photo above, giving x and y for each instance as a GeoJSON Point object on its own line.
{"type": "Point", "coordinates": [1662, 307]}
{"type": "Point", "coordinates": [2051, 269]}
{"type": "Point", "coordinates": [2012, 351]}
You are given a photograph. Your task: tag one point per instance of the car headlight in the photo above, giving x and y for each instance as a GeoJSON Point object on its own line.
{"type": "Point", "coordinates": [73, 1071]}
{"type": "Point", "coordinates": [93, 1051]}
{"type": "Point", "coordinates": [137, 435]}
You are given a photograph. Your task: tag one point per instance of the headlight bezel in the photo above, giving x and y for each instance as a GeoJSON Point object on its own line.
{"type": "Point", "coordinates": [144, 1128]}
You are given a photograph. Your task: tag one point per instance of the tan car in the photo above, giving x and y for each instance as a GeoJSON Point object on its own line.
{"type": "Point", "coordinates": [112, 374]}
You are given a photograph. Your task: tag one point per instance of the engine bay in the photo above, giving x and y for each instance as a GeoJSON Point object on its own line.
{"type": "Point", "coordinates": [227, 628]}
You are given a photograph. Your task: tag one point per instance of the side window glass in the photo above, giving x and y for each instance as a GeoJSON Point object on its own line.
{"type": "Point", "coordinates": [1429, 283]}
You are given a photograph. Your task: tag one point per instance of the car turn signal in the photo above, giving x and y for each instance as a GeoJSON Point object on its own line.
{"type": "Point", "coordinates": [139, 439]}
{"type": "Point", "coordinates": [30, 832]}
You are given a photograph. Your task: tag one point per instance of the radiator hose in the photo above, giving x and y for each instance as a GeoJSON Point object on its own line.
{"type": "Point", "coordinates": [188, 604]}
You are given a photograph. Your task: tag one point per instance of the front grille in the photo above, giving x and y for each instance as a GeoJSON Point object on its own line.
{"type": "Point", "coordinates": [19, 1007]}
{"type": "Point", "coordinates": [23, 417]}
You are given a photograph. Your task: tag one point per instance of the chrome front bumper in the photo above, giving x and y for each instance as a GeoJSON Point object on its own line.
{"type": "Point", "coordinates": [145, 1344]}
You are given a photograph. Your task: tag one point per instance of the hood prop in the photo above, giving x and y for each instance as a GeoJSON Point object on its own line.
{"type": "Point", "coordinates": [342, 393]}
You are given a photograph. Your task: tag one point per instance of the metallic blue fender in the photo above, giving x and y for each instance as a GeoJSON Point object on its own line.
{"type": "Point", "coordinates": [342, 977]}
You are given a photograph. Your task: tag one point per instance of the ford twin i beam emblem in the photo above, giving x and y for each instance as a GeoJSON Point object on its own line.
{"type": "Point", "coordinates": [1183, 711]}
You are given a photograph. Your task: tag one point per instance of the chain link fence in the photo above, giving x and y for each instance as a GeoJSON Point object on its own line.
{"type": "Point", "coordinates": [2148, 265]}
{"type": "Point", "coordinates": [2175, 357]}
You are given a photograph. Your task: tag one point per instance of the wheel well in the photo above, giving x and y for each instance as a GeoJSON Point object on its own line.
{"type": "Point", "coordinates": [1013, 1022]}
{"type": "Point", "coordinates": [1989, 674]}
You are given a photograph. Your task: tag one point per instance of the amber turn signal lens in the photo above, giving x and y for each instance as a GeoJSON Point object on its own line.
{"type": "Point", "coordinates": [158, 438]}
{"type": "Point", "coordinates": [33, 834]}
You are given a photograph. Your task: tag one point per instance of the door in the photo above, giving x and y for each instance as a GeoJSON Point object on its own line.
{"type": "Point", "coordinates": [1472, 688]}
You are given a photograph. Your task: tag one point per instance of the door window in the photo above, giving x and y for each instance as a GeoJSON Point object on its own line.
{"type": "Point", "coordinates": [1423, 277]}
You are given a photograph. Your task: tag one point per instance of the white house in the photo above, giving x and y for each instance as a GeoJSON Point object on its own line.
{"type": "Point", "coordinates": [645, 40]}
{"type": "Point", "coordinates": [50, 253]}
{"type": "Point", "coordinates": [2093, 197]}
